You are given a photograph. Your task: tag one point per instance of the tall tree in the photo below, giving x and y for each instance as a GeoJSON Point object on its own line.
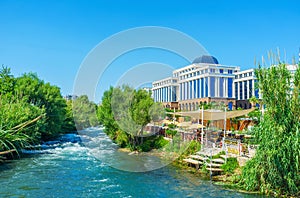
{"type": "Point", "coordinates": [276, 165]}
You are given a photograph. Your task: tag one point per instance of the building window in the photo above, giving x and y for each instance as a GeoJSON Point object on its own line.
{"type": "Point", "coordinates": [221, 71]}
{"type": "Point", "coordinates": [241, 90]}
{"type": "Point", "coordinates": [250, 73]}
{"type": "Point", "coordinates": [229, 71]}
{"type": "Point", "coordinates": [212, 70]}
{"type": "Point", "coordinates": [230, 84]}
{"type": "Point", "coordinates": [206, 86]}
{"type": "Point", "coordinates": [236, 90]}
{"type": "Point", "coordinates": [245, 90]}
{"type": "Point", "coordinates": [250, 89]}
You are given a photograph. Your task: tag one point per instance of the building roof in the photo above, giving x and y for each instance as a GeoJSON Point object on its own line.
{"type": "Point", "coordinates": [206, 59]}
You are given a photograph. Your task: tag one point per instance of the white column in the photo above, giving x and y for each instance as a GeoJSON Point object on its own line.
{"type": "Point", "coordinates": [167, 94]}
{"type": "Point", "coordinates": [160, 95]}
{"type": "Point", "coordinates": [243, 91]}
{"type": "Point", "coordinates": [186, 90]}
{"type": "Point", "coordinates": [208, 86]}
{"type": "Point", "coordinates": [253, 88]}
{"type": "Point", "coordinates": [201, 96]}
{"type": "Point", "coordinates": [196, 88]}
{"type": "Point", "coordinates": [238, 91]}
{"type": "Point", "coordinates": [225, 87]}
{"type": "Point", "coordinates": [217, 94]}
{"type": "Point", "coordinates": [170, 93]}
{"type": "Point", "coordinates": [160, 98]}
{"type": "Point", "coordinates": [181, 91]}
{"type": "Point", "coordinates": [193, 88]}
{"type": "Point", "coordinates": [171, 89]}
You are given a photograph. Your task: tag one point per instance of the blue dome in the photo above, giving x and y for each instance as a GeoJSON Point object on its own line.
{"type": "Point", "coordinates": [206, 59]}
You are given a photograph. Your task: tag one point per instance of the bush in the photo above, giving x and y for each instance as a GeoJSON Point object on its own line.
{"type": "Point", "coordinates": [121, 138]}
{"type": "Point", "coordinates": [230, 165]}
{"type": "Point", "coordinates": [192, 148]}
{"type": "Point", "coordinates": [145, 147]}
{"type": "Point", "coordinates": [160, 142]}
{"type": "Point", "coordinates": [219, 155]}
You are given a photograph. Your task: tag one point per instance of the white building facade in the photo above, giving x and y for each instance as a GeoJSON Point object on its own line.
{"type": "Point", "coordinates": [204, 81]}
{"type": "Point", "coordinates": [244, 88]}
{"type": "Point", "coordinates": [165, 90]}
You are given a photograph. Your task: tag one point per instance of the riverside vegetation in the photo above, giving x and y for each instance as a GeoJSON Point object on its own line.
{"type": "Point", "coordinates": [33, 111]}
{"type": "Point", "coordinates": [275, 167]}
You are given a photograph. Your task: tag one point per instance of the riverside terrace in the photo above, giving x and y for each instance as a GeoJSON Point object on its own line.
{"type": "Point", "coordinates": [213, 136]}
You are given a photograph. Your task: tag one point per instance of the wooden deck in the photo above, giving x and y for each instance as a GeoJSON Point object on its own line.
{"type": "Point", "coordinates": [198, 157]}
{"type": "Point", "coordinates": [214, 169]}
{"type": "Point", "coordinates": [214, 165]}
{"type": "Point", "coordinates": [191, 161]}
{"type": "Point", "coordinates": [220, 161]}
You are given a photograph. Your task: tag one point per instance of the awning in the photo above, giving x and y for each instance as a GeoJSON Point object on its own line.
{"type": "Point", "coordinates": [213, 114]}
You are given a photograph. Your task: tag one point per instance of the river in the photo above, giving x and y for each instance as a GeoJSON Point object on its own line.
{"type": "Point", "coordinates": [81, 170]}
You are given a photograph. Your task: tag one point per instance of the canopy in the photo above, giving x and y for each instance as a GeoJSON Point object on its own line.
{"type": "Point", "coordinates": [184, 124]}
{"type": "Point", "coordinates": [196, 126]}
{"type": "Point", "coordinates": [214, 114]}
{"type": "Point", "coordinates": [167, 122]}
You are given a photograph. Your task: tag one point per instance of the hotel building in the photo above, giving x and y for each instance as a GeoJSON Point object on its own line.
{"type": "Point", "coordinates": [204, 81]}
{"type": "Point", "coordinates": [207, 81]}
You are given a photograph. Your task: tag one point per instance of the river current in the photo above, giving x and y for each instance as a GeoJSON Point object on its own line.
{"type": "Point", "coordinates": [90, 169]}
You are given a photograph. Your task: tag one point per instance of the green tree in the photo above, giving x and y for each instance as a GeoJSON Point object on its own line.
{"type": "Point", "coordinates": [45, 96]}
{"type": "Point", "coordinates": [69, 123]}
{"type": "Point", "coordinates": [140, 109]}
{"type": "Point", "coordinates": [84, 112]}
{"type": "Point", "coordinates": [275, 167]}
{"type": "Point", "coordinates": [7, 81]}
{"type": "Point", "coordinates": [105, 114]}
{"type": "Point", "coordinates": [125, 112]}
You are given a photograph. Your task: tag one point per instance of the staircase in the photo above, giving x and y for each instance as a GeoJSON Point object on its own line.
{"type": "Point", "coordinates": [203, 158]}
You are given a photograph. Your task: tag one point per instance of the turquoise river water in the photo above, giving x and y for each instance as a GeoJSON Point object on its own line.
{"type": "Point", "coordinates": [84, 169]}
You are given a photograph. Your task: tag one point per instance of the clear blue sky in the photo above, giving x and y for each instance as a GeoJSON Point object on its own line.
{"type": "Point", "coordinates": [52, 37]}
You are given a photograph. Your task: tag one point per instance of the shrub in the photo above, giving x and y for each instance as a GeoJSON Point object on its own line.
{"type": "Point", "coordinates": [160, 142]}
{"type": "Point", "coordinates": [230, 165]}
